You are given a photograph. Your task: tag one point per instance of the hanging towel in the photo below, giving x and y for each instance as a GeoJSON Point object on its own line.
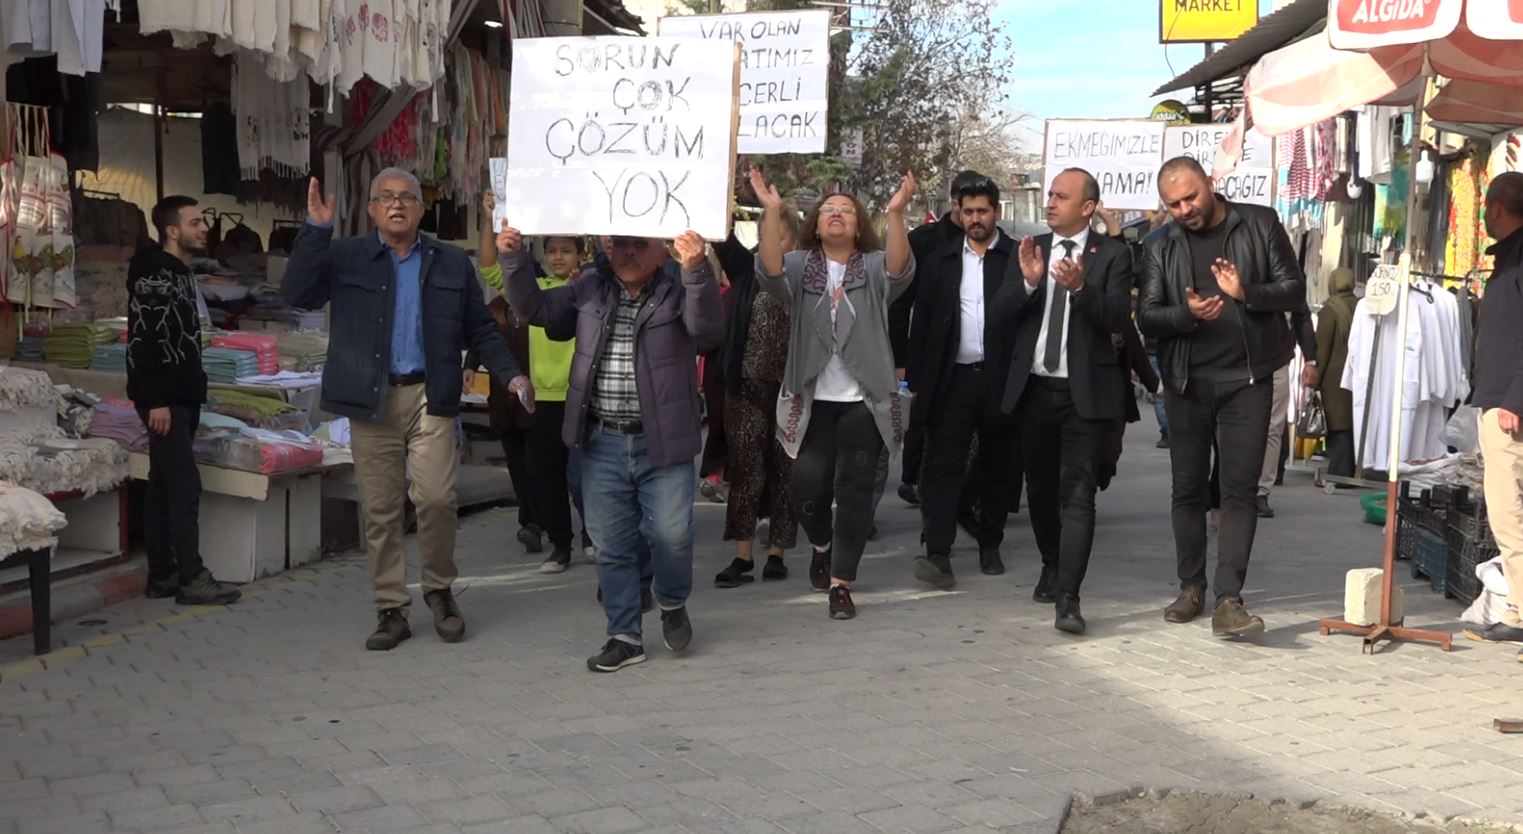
{"type": "Point", "coordinates": [273, 121]}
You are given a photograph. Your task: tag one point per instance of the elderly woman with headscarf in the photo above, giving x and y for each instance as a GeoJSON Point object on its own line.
{"type": "Point", "coordinates": [1333, 325]}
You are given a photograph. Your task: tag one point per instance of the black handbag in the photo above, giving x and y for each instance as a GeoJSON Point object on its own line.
{"type": "Point", "coordinates": [1313, 420]}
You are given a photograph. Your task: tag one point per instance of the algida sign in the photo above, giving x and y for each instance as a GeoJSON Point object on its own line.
{"type": "Point", "coordinates": [1205, 21]}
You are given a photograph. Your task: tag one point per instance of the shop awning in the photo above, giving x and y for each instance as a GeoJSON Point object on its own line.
{"type": "Point", "coordinates": [1279, 28]}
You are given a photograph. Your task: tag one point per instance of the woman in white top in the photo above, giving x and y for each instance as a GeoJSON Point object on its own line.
{"type": "Point", "coordinates": [839, 404]}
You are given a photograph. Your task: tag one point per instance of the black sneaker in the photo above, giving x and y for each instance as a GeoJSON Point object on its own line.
{"type": "Point", "coordinates": [1163, 442]}
{"type": "Point", "coordinates": [204, 590]}
{"type": "Point", "coordinates": [841, 606]}
{"type": "Point", "coordinates": [819, 569]}
{"type": "Point", "coordinates": [1265, 511]}
{"type": "Point", "coordinates": [391, 631]}
{"type": "Point", "coordinates": [616, 654]}
{"type": "Point", "coordinates": [532, 538]}
{"type": "Point", "coordinates": [774, 570]}
{"type": "Point", "coordinates": [676, 629]}
{"type": "Point", "coordinates": [560, 559]}
{"type": "Point", "coordinates": [935, 569]}
{"type": "Point", "coordinates": [736, 574]}
{"type": "Point", "coordinates": [909, 494]}
{"type": "Point", "coordinates": [162, 588]}
{"type": "Point", "coordinates": [1046, 590]}
{"type": "Point", "coordinates": [990, 562]}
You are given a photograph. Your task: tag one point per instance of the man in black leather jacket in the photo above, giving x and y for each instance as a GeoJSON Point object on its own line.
{"type": "Point", "coordinates": [1217, 283]}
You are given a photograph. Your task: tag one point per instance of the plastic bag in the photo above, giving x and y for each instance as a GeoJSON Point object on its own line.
{"type": "Point", "coordinates": [1462, 432]}
{"type": "Point", "coordinates": [1313, 420]}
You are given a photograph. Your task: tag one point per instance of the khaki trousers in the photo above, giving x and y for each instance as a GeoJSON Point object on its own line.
{"type": "Point", "coordinates": [406, 441]}
{"type": "Point", "coordinates": [1503, 455]}
{"type": "Point", "coordinates": [1276, 437]}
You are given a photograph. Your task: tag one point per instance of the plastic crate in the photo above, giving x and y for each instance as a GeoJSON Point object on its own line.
{"type": "Point", "coordinates": [1406, 537]}
{"type": "Point", "coordinates": [1469, 543]}
{"type": "Point", "coordinates": [1430, 558]}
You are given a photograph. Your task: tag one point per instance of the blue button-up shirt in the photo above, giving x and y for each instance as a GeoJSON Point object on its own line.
{"type": "Point", "coordinates": [407, 315]}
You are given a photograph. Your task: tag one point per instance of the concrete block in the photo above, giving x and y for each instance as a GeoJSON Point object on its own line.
{"type": "Point", "coordinates": [1361, 597]}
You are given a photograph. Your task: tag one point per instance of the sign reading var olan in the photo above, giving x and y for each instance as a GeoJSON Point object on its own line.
{"type": "Point", "coordinates": [621, 136]}
{"type": "Point", "coordinates": [1205, 21]}
{"type": "Point", "coordinates": [1252, 181]}
{"type": "Point", "coordinates": [784, 74]}
{"type": "Point", "coordinates": [1123, 156]}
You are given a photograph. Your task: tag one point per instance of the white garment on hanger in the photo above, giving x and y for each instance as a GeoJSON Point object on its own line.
{"type": "Point", "coordinates": [79, 29]}
{"type": "Point", "coordinates": [1374, 142]}
{"type": "Point", "coordinates": [253, 24]}
{"type": "Point", "coordinates": [29, 28]}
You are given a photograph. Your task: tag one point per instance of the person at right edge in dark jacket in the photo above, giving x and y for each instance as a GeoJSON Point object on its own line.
{"type": "Point", "coordinates": [167, 384]}
{"type": "Point", "coordinates": [1217, 283]}
{"type": "Point", "coordinates": [1498, 395]}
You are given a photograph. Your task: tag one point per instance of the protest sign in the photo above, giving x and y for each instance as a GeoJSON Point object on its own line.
{"type": "Point", "coordinates": [1252, 181]}
{"type": "Point", "coordinates": [784, 74]}
{"type": "Point", "coordinates": [622, 136]}
{"type": "Point", "coordinates": [1122, 154]}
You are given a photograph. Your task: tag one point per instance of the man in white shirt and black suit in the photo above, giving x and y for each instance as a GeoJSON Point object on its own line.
{"type": "Point", "coordinates": [1069, 291]}
{"type": "Point", "coordinates": [957, 359]}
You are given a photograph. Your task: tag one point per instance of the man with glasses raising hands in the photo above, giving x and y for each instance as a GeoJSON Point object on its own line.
{"type": "Point", "coordinates": [404, 308]}
{"type": "Point", "coordinates": [632, 410]}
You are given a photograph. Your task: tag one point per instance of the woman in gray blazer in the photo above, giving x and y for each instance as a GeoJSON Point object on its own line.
{"type": "Point", "coordinates": [839, 404]}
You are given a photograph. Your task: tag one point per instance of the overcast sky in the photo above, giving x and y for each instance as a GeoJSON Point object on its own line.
{"type": "Point", "coordinates": [1081, 58]}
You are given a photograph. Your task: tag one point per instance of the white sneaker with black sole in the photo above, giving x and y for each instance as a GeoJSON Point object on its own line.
{"type": "Point", "coordinates": [616, 655]}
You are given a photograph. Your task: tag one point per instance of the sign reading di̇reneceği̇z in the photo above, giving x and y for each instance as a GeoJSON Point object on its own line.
{"type": "Point", "coordinates": [1123, 155]}
{"type": "Point", "coordinates": [784, 74]}
{"type": "Point", "coordinates": [621, 136]}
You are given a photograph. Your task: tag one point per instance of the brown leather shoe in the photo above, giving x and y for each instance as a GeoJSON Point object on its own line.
{"type": "Point", "coordinates": [447, 620]}
{"type": "Point", "coordinates": [1189, 605]}
{"type": "Point", "coordinates": [1231, 619]}
{"type": "Point", "coordinates": [391, 631]}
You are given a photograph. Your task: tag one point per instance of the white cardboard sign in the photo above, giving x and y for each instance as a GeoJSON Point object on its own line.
{"type": "Point", "coordinates": [1122, 154]}
{"type": "Point", "coordinates": [1252, 181]}
{"type": "Point", "coordinates": [784, 74]}
{"type": "Point", "coordinates": [621, 136]}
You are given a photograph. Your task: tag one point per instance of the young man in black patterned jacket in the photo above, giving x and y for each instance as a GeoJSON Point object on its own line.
{"type": "Point", "coordinates": [166, 383]}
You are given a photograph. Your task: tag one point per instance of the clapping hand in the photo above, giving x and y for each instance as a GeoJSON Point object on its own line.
{"type": "Point", "coordinates": [1205, 309]}
{"type": "Point", "coordinates": [1228, 279]}
{"type": "Point", "coordinates": [1032, 265]}
{"type": "Point", "coordinates": [319, 210]}
{"type": "Point", "coordinates": [1069, 274]}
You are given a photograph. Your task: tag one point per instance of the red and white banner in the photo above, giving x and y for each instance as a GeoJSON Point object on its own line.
{"type": "Point", "coordinates": [1497, 20]}
{"type": "Point", "coordinates": [1368, 24]}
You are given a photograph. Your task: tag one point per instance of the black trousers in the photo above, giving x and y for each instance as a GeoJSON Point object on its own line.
{"type": "Point", "coordinates": [546, 467]}
{"type": "Point", "coordinates": [1062, 453]}
{"type": "Point", "coordinates": [1236, 418]}
{"type": "Point", "coordinates": [1340, 453]}
{"type": "Point", "coordinates": [914, 454]}
{"type": "Point", "coordinates": [964, 410]}
{"type": "Point", "coordinates": [172, 505]}
{"type": "Point", "coordinates": [515, 447]}
{"type": "Point", "coordinates": [837, 463]}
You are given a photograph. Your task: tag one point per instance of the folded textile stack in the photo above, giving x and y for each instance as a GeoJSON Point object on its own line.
{"type": "Point", "coordinates": [111, 358]}
{"type": "Point", "coordinates": [305, 351]}
{"type": "Point", "coordinates": [29, 349]}
{"type": "Point", "coordinates": [27, 520]}
{"type": "Point", "coordinates": [72, 345]}
{"type": "Point", "coordinates": [59, 464]}
{"type": "Point", "coordinates": [102, 286]}
{"type": "Point", "coordinates": [225, 365]}
{"type": "Point", "coordinates": [264, 347]}
{"type": "Point", "coordinates": [118, 420]}
{"type": "Point", "coordinates": [265, 452]}
{"type": "Point", "coordinates": [20, 388]}
{"type": "Point", "coordinates": [306, 319]}
{"type": "Point", "coordinates": [256, 410]}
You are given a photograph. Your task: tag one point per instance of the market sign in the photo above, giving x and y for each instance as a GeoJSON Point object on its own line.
{"type": "Point", "coordinates": [1252, 181]}
{"type": "Point", "coordinates": [1123, 155]}
{"type": "Point", "coordinates": [1501, 20]}
{"type": "Point", "coordinates": [1367, 24]}
{"type": "Point", "coordinates": [1205, 21]}
{"type": "Point", "coordinates": [1170, 110]}
{"type": "Point", "coordinates": [784, 74]}
{"type": "Point", "coordinates": [621, 136]}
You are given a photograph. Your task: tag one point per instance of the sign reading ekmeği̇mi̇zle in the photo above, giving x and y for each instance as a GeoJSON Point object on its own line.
{"type": "Point", "coordinates": [621, 136]}
{"type": "Point", "coordinates": [784, 74]}
{"type": "Point", "coordinates": [1205, 21]}
{"type": "Point", "coordinates": [1122, 154]}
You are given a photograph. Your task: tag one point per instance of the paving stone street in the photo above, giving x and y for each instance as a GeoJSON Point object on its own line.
{"type": "Point", "coordinates": [931, 712]}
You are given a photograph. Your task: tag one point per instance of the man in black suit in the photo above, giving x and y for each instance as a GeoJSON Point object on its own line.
{"type": "Point", "coordinates": [958, 359]}
{"type": "Point", "coordinates": [1069, 291]}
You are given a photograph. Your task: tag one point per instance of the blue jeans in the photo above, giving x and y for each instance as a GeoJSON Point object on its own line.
{"type": "Point", "coordinates": [639, 515]}
{"type": "Point", "coordinates": [1159, 410]}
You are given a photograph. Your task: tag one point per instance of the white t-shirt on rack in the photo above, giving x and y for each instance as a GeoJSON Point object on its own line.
{"type": "Point", "coordinates": [835, 383]}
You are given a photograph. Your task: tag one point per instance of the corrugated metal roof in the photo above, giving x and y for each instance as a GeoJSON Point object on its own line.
{"type": "Point", "coordinates": [1281, 27]}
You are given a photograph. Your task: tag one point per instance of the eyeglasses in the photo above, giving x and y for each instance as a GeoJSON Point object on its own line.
{"type": "Point", "coordinates": [639, 244]}
{"type": "Point", "coordinates": [407, 200]}
{"type": "Point", "coordinates": [827, 210]}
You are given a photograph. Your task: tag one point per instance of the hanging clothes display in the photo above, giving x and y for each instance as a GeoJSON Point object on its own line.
{"type": "Point", "coordinates": [1434, 379]}
{"type": "Point", "coordinates": [38, 214]}
{"type": "Point", "coordinates": [1465, 227]}
{"type": "Point", "coordinates": [273, 121]}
